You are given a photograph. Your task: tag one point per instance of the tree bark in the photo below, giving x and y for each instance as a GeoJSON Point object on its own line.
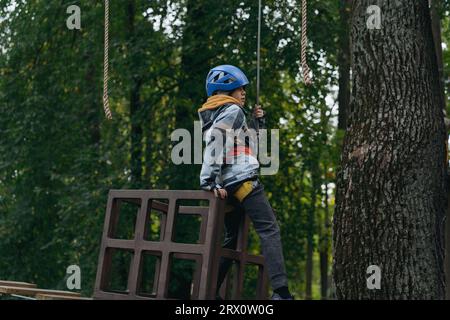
{"type": "Point", "coordinates": [391, 188]}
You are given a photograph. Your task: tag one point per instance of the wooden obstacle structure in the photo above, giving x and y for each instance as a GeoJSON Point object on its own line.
{"type": "Point", "coordinates": [206, 253]}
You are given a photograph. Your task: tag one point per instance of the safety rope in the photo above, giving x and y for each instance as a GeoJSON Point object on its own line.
{"type": "Point", "coordinates": [304, 44]}
{"type": "Point", "coordinates": [106, 65]}
{"type": "Point", "coordinates": [258, 55]}
{"type": "Point", "coordinates": [256, 121]}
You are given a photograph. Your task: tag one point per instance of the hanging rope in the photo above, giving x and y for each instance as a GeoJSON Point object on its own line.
{"type": "Point", "coordinates": [304, 45]}
{"type": "Point", "coordinates": [257, 121]}
{"type": "Point", "coordinates": [258, 54]}
{"type": "Point", "coordinates": [106, 65]}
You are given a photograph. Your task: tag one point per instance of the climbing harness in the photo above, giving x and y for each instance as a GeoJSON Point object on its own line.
{"type": "Point", "coordinates": [245, 189]}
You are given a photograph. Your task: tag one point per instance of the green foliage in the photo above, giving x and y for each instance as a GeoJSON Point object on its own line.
{"type": "Point", "coordinates": [59, 156]}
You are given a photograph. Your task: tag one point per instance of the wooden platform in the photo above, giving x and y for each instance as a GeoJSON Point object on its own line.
{"type": "Point", "coordinates": [43, 296]}
{"type": "Point", "coordinates": [17, 284]}
{"type": "Point", "coordinates": [30, 290]}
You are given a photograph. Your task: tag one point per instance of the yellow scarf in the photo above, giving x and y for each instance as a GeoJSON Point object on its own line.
{"type": "Point", "coordinates": [218, 100]}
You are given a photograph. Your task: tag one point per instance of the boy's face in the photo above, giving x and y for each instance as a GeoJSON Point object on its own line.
{"type": "Point", "coordinates": [239, 94]}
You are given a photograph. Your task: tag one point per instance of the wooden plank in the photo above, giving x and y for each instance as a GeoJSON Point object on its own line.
{"type": "Point", "coordinates": [34, 291]}
{"type": "Point", "coordinates": [17, 284]}
{"type": "Point", "coordinates": [193, 210]}
{"type": "Point", "coordinates": [43, 296]}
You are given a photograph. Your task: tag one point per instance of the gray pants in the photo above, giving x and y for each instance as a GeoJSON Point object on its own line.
{"type": "Point", "coordinates": [261, 214]}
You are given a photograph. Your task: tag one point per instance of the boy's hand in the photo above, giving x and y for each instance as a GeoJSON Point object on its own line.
{"type": "Point", "coordinates": [258, 111]}
{"type": "Point", "coordinates": [220, 192]}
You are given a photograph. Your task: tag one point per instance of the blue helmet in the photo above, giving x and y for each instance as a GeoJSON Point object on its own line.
{"type": "Point", "coordinates": [224, 78]}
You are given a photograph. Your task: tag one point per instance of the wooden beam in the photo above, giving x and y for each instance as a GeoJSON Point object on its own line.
{"type": "Point", "coordinates": [17, 284]}
{"type": "Point", "coordinates": [33, 291]}
{"type": "Point", "coordinates": [44, 296]}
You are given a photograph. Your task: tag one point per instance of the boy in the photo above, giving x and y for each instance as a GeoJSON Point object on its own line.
{"type": "Point", "coordinates": [230, 170]}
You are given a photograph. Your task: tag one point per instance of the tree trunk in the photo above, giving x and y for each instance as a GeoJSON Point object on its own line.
{"type": "Point", "coordinates": [135, 101]}
{"type": "Point", "coordinates": [447, 251]}
{"type": "Point", "coordinates": [148, 145]}
{"type": "Point", "coordinates": [344, 63]}
{"type": "Point", "coordinates": [324, 244]}
{"type": "Point", "coordinates": [194, 67]}
{"type": "Point", "coordinates": [309, 256]}
{"type": "Point", "coordinates": [310, 232]}
{"type": "Point", "coordinates": [436, 6]}
{"type": "Point", "coordinates": [199, 48]}
{"type": "Point", "coordinates": [391, 190]}
{"type": "Point", "coordinates": [136, 135]}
